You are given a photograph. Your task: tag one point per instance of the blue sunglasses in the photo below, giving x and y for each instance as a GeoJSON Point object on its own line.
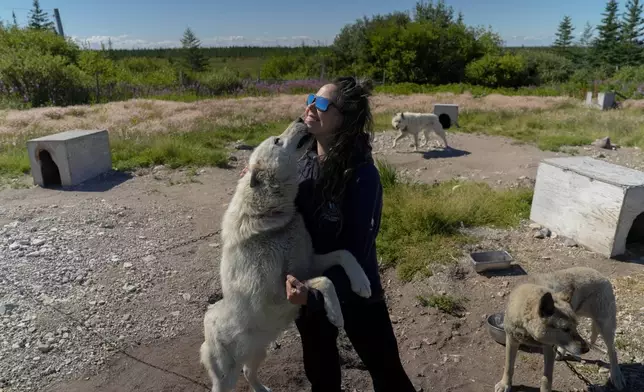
{"type": "Point", "coordinates": [322, 104]}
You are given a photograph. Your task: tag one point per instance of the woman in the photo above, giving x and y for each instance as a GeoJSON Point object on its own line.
{"type": "Point", "coordinates": [340, 198]}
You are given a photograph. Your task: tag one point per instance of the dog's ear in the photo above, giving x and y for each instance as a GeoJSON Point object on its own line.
{"type": "Point", "coordinates": [546, 305]}
{"type": "Point", "coordinates": [402, 115]}
{"type": "Point", "coordinates": [254, 177]}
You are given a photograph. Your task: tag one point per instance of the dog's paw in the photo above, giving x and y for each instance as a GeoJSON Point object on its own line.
{"type": "Point", "coordinates": [502, 387]}
{"type": "Point", "coordinates": [360, 284]}
{"type": "Point", "coordinates": [334, 317]}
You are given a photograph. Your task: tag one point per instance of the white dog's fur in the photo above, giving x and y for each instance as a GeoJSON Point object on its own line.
{"type": "Point", "coordinates": [264, 239]}
{"type": "Point", "coordinates": [412, 124]}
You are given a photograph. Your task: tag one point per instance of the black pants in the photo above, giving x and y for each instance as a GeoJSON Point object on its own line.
{"type": "Point", "coordinates": [369, 328]}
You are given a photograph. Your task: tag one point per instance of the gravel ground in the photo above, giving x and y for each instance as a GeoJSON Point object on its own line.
{"type": "Point", "coordinates": [115, 257]}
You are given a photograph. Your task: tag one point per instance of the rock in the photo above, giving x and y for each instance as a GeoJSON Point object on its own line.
{"type": "Point", "coordinates": [126, 317]}
{"type": "Point", "coordinates": [7, 309]}
{"type": "Point", "coordinates": [44, 348]}
{"type": "Point", "coordinates": [603, 143]}
{"type": "Point", "coordinates": [186, 296]}
{"type": "Point", "coordinates": [149, 258]}
{"type": "Point", "coordinates": [545, 231]}
{"type": "Point", "coordinates": [570, 243]}
{"type": "Point", "coordinates": [239, 145]}
{"type": "Point", "coordinates": [129, 288]}
{"type": "Point", "coordinates": [38, 241]}
{"type": "Point", "coordinates": [14, 246]}
{"type": "Point", "coordinates": [538, 234]}
{"type": "Point", "coordinates": [214, 245]}
{"type": "Point", "coordinates": [127, 265]}
{"type": "Point", "coordinates": [553, 235]}
{"type": "Point", "coordinates": [535, 226]}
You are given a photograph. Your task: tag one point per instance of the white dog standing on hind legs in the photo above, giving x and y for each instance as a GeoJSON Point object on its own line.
{"type": "Point", "coordinates": [412, 124]}
{"type": "Point", "coordinates": [264, 240]}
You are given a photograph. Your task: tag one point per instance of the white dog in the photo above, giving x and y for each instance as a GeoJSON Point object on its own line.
{"type": "Point", "coordinates": [264, 239]}
{"type": "Point", "coordinates": [413, 124]}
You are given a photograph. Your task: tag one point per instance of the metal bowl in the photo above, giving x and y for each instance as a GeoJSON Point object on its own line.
{"type": "Point", "coordinates": [490, 260]}
{"type": "Point", "coordinates": [496, 330]}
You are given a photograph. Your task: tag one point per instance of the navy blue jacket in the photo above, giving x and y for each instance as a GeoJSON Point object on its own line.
{"type": "Point", "coordinates": [353, 226]}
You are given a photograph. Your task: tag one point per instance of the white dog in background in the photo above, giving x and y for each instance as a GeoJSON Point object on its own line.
{"type": "Point", "coordinates": [264, 239]}
{"type": "Point", "coordinates": [412, 124]}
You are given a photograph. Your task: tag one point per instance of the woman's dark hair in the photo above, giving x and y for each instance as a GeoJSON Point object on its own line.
{"type": "Point", "coordinates": [352, 141]}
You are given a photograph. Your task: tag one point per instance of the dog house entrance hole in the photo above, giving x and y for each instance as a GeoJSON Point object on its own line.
{"type": "Point", "coordinates": [445, 120]}
{"type": "Point", "coordinates": [49, 169]}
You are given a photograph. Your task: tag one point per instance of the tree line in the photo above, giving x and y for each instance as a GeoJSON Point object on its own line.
{"type": "Point", "coordinates": [427, 45]}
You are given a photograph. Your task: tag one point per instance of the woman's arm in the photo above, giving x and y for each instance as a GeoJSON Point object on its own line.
{"type": "Point", "coordinates": [360, 225]}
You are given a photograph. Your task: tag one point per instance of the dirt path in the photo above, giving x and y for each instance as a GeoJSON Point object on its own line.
{"type": "Point", "coordinates": [152, 306]}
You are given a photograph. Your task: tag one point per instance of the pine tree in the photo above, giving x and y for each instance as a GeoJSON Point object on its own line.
{"type": "Point", "coordinates": [606, 44]}
{"type": "Point", "coordinates": [38, 19]}
{"type": "Point", "coordinates": [586, 38]}
{"type": "Point", "coordinates": [15, 21]}
{"type": "Point", "coordinates": [564, 34]}
{"type": "Point", "coordinates": [191, 44]}
{"type": "Point", "coordinates": [632, 24]}
{"type": "Point", "coordinates": [459, 19]}
{"type": "Point", "coordinates": [631, 33]}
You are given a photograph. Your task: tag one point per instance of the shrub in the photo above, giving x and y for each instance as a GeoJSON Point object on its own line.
{"type": "Point", "coordinates": [508, 70]}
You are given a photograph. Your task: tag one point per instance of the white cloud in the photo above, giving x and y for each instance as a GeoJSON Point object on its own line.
{"type": "Point", "coordinates": [529, 40]}
{"type": "Point", "coordinates": [128, 42]}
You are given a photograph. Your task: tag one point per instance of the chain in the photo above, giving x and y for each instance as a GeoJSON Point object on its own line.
{"type": "Point", "coordinates": [173, 246]}
{"type": "Point", "coordinates": [27, 293]}
{"type": "Point", "coordinates": [579, 375]}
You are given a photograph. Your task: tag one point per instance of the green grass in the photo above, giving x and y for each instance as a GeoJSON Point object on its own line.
{"type": "Point", "coordinates": [420, 223]}
{"type": "Point", "coordinates": [203, 147]}
{"type": "Point", "coordinates": [444, 303]}
{"type": "Point", "coordinates": [567, 89]}
{"type": "Point", "coordinates": [554, 129]}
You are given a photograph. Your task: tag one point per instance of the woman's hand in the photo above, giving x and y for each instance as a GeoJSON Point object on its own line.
{"type": "Point", "coordinates": [296, 292]}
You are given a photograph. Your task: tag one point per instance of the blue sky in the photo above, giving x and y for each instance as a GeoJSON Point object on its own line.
{"type": "Point", "coordinates": [147, 23]}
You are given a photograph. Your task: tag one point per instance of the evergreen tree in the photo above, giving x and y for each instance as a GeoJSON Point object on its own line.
{"type": "Point", "coordinates": [632, 23]}
{"type": "Point", "coordinates": [15, 21]}
{"type": "Point", "coordinates": [459, 19]}
{"type": "Point", "coordinates": [586, 38]}
{"type": "Point", "coordinates": [631, 33]}
{"type": "Point", "coordinates": [38, 19]}
{"type": "Point", "coordinates": [564, 34]}
{"type": "Point", "coordinates": [606, 44]}
{"type": "Point", "coordinates": [192, 46]}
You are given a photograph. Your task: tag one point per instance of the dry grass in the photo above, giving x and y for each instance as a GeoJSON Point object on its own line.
{"type": "Point", "coordinates": [153, 116]}
{"type": "Point", "coordinates": [146, 132]}
{"type": "Point", "coordinates": [629, 291]}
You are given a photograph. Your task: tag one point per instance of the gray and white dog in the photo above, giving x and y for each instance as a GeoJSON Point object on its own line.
{"type": "Point", "coordinates": [264, 239]}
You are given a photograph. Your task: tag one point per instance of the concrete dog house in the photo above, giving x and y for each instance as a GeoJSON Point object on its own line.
{"type": "Point", "coordinates": [447, 114]}
{"type": "Point", "coordinates": [69, 158]}
{"type": "Point", "coordinates": [598, 204]}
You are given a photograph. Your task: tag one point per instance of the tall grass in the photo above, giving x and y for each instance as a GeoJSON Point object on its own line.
{"type": "Point", "coordinates": [421, 223]}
